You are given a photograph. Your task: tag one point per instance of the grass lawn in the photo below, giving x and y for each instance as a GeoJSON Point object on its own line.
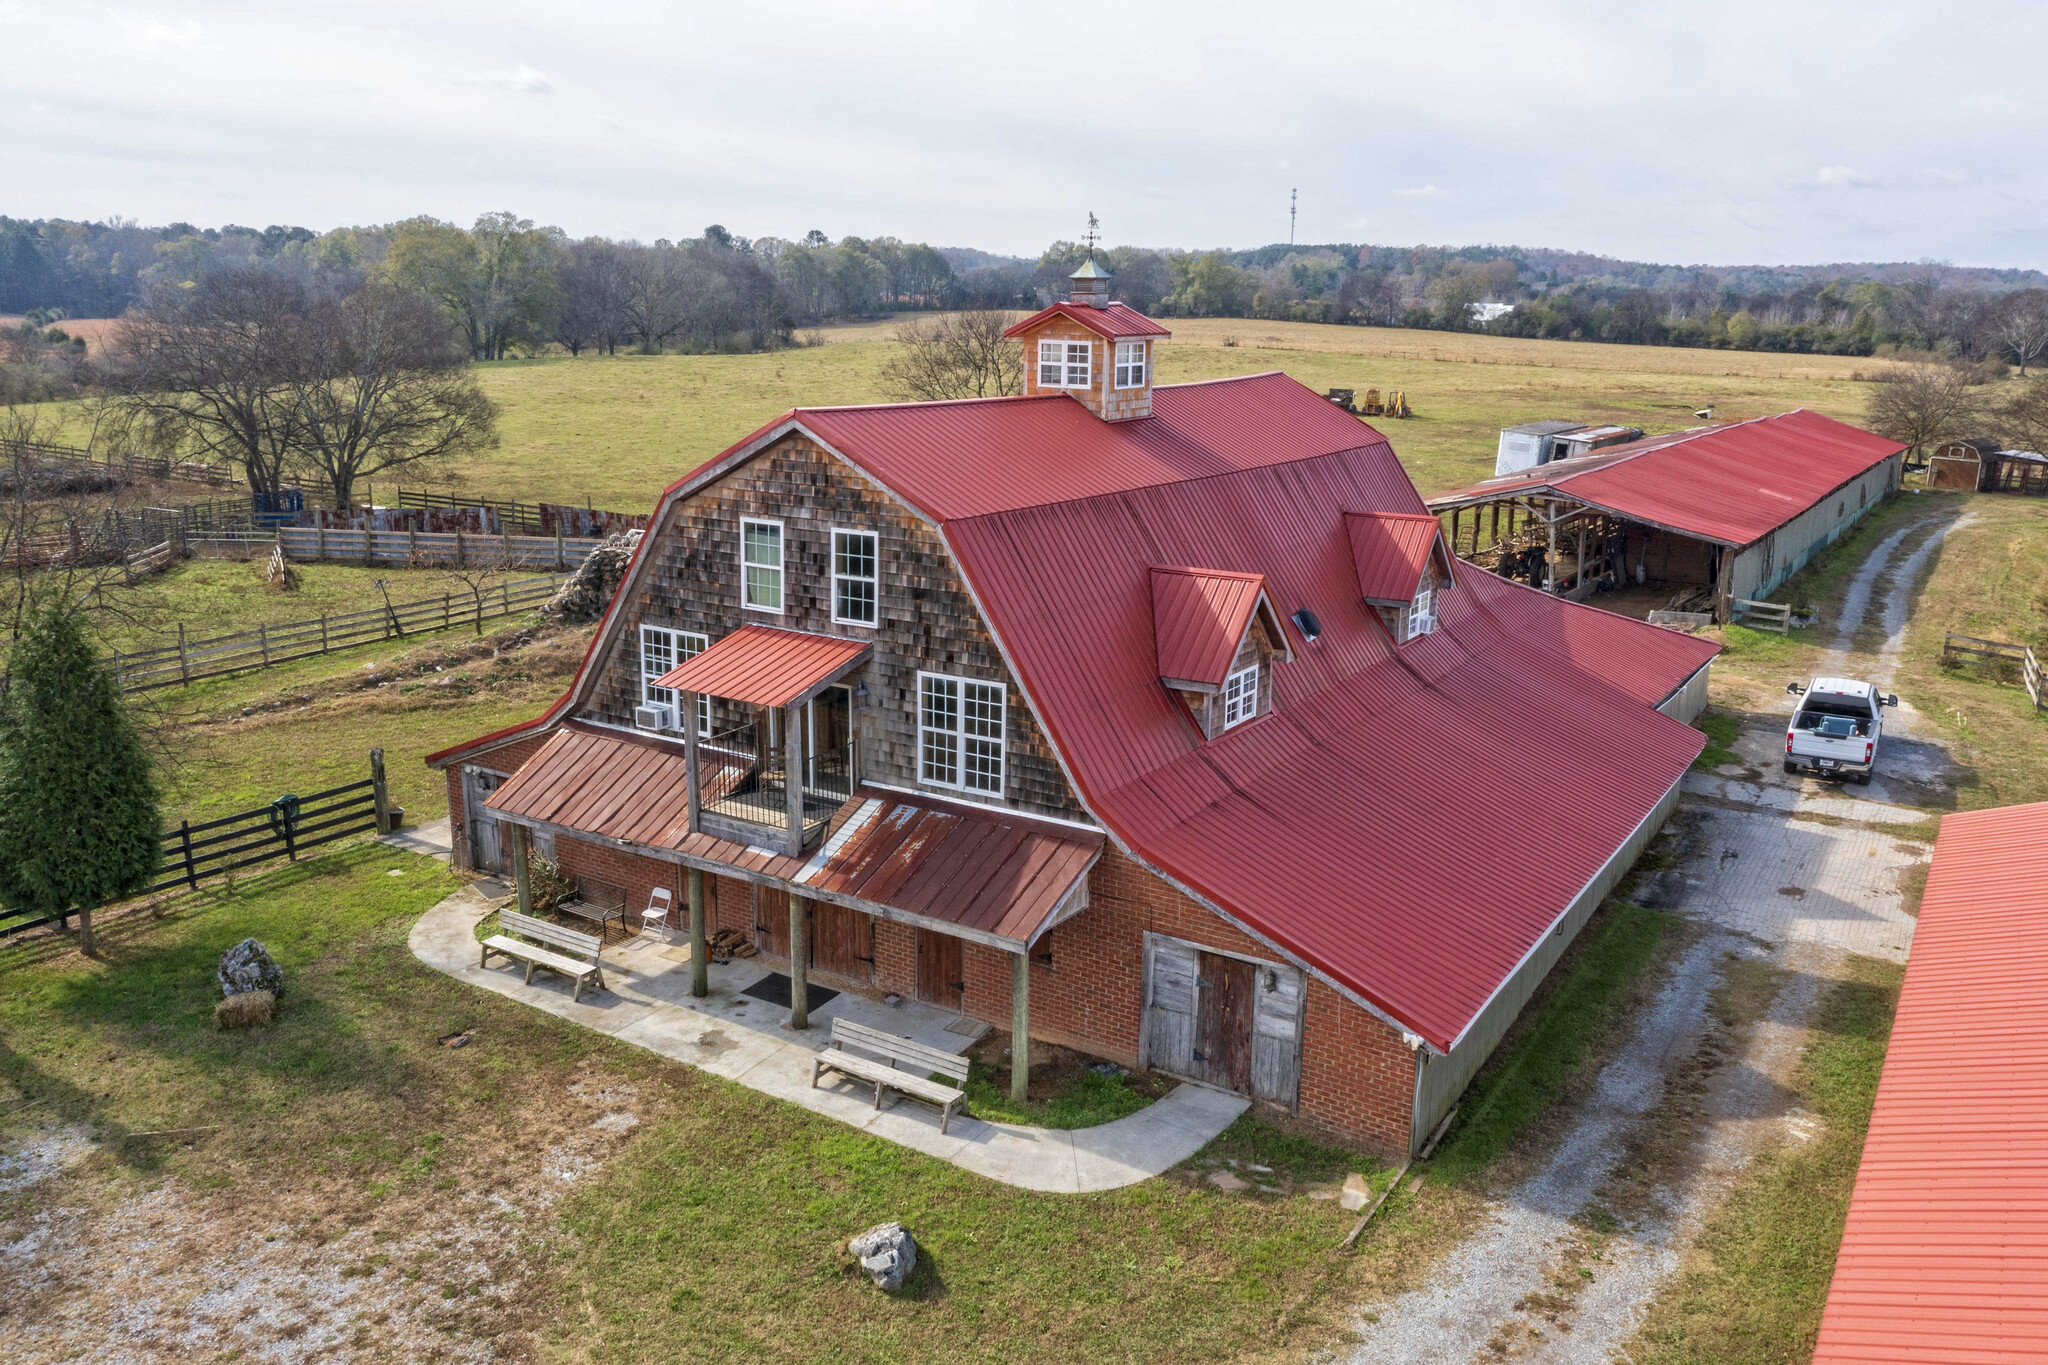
{"type": "Point", "coordinates": [1752, 1289]}
{"type": "Point", "coordinates": [619, 429]}
{"type": "Point", "coordinates": [1989, 578]}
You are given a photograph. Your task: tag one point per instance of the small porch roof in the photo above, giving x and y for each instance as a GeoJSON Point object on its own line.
{"type": "Point", "coordinates": [762, 666]}
{"type": "Point", "coordinates": [956, 868]}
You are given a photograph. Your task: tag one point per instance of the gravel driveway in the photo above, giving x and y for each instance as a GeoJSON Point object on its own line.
{"type": "Point", "coordinates": [1775, 869]}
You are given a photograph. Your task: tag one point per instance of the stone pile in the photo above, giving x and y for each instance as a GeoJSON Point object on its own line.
{"type": "Point", "coordinates": [589, 590]}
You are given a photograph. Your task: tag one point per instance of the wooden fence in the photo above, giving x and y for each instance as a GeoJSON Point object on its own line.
{"type": "Point", "coordinates": [2003, 651]}
{"type": "Point", "coordinates": [285, 828]}
{"type": "Point", "coordinates": [402, 548]}
{"type": "Point", "coordinates": [530, 518]}
{"type": "Point", "coordinates": [151, 466]}
{"type": "Point", "coordinates": [1763, 615]}
{"type": "Point", "coordinates": [190, 660]}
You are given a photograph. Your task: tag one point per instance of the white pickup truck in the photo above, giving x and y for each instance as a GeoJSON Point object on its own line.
{"type": "Point", "coordinates": [1836, 728]}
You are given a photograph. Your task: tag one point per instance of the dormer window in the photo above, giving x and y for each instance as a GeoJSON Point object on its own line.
{"type": "Point", "coordinates": [1420, 617]}
{"type": "Point", "coordinates": [1065, 364]}
{"type": "Point", "coordinates": [1240, 696]}
{"type": "Point", "coordinates": [1130, 364]}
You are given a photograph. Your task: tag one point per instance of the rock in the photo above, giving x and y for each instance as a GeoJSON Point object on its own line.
{"type": "Point", "coordinates": [589, 590]}
{"type": "Point", "coordinates": [248, 966]}
{"type": "Point", "coordinates": [1356, 1193]}
{"type": "Point", "coordinates": [244, 1009]}
{"type": "Point", "coordinates": [888, 1253]}
{"type": "Point", "coordinates": [1224, 1180]}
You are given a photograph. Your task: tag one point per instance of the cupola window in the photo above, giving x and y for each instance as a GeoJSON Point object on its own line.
{"type": "Point", "coordinates": [1065, 364]}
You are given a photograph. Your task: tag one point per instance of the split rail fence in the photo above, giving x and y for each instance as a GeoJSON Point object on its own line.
{"type": "Point", "coordinates": [285, 828]}
{"type": "Point", "coordinates": [2003, 651]}
{"type": "Point", "coordinates": [401, 548]}
{"type": "Point", "coordinates": [190, 660]}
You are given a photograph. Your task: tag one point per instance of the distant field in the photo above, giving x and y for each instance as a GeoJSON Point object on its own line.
{"type": "Point", "coordinates": [94, 330]}
{"type": "Point", "coordinates": [617, 430]}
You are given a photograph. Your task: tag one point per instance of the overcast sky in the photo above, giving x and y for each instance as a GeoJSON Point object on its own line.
{"type": "Point", "coordinates": [1719, 134]}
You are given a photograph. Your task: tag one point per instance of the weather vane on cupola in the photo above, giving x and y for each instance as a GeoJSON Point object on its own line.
{"type": "Point", "coordinates": [1091, 236]}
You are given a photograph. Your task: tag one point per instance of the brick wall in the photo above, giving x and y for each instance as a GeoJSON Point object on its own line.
{"type": "Point", "coordinates": [506, 759]}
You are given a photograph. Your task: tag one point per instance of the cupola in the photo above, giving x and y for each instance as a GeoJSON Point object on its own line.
{"type": "Point", "coordinates": [1091, 348]}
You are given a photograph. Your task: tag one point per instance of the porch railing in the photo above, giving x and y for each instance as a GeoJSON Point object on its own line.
{"type": "Point", "coordinates": [745, 780]}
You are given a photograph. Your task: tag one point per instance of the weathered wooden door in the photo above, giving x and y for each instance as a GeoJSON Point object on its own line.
{"type": "Point", "coordinates": [939, 976]}
{"type": "Point", "coordinates": [842, 940]}
{"type": "Point", "coordinates": [1276, 1033]}
{"type": "Point", "coordinates": [1169, 1006]}
{"type": "Point", "coordinates": [771, 920]}
{"type": "Point", "coordinates": [486, 835]}
{"type": "Point", "coordinates": [1223, 1022]}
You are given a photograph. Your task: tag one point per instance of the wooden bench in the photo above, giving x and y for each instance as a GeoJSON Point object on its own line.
{"type": "Point", "coordinates": [597, 901]}
{"type": "Point", "coordinates": [546, 937]}
{"type": "Point", "coordinates": [888, 1053]}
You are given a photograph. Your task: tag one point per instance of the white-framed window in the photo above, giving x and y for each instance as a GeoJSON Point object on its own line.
{"type": "Point", "coordinates": [761, 564]}
{"type": "Point", "coordinates": [1130, 364]}
{"type": "Point", "coordinates": [1420, 618]}
{"type": "Point", "coordinates": [855, 557]}
{"type": "Point", "coordinates": [1240, 696]}
{"type": "Point", "coordinates": [662, 649]}
{"type": "Point", "coordinates": [960, 733]}
{"type": "Point", "coordinates": [1065, 364]}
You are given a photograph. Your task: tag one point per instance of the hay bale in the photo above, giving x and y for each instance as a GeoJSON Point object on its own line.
{"type": "Point", "coordinates": [245, 1009]}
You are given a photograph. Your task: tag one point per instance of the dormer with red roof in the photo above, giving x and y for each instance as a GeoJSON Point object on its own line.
{"type": "Point", "coordinates": [1093, 350]}
{"type": "Point", "coordinates": [1218, 636]}
{"type": "Point", "coordinates": [1402, 565]}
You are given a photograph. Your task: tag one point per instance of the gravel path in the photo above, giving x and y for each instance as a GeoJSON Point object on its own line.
{"type": "Point", "coordinates": [1543, 1282]}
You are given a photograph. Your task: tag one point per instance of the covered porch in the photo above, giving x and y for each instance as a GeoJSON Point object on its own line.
{"type": "Point", "coordinates": [938, 876]}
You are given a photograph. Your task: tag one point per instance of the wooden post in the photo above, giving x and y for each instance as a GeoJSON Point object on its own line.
{"type": "Point", "coordinates": [693, 783]}
{"type": "Point", "coordinates": [1579, 573]}
{"type": "Point", "coordinates": [263, 643]}
{"type": "Point", "coordinates": [793, 773]}
{"type": "Point", "coordinates": [323, 632]}
{"type": "Point", "coordinates": [184, 663]}
{"type": "Point", "coordinates": [379, 791]}
{"type": "Point", "coordinates": [185, 838]}
{"type": "Point", "coordinates": [369, 546]}
{"type": "Point", "coordinates": [700, 965]}
{"type": "Point", "coordinates": [412, 542]}
{"type": "Point", "coordinates": [319, 540]}
{"type": "Point", "coordinates": [560, 563]}
{"type": "Point", "coordinates": [521, 883]}
{"type": "Point", "coordinates": [460, 563]}
{"type": "Point", "coordinates": [1550, 555]}
{"type": "Point", "coordinates": [799, 962]}
{"type": "Point", "coordinates": [1020, 1026]}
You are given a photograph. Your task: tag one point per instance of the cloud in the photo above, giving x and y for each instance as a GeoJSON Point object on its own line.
{"type": "Point", "coordinates": [1844, 177]}
{"type": "Point", "coordinates": [521, 79]}
{"type": "Point", "coordinates": [1425, 192]}
{"type": "Point", "coordinates": [156, 34]}
{"type": "Point", "coordinates": [1935, 175]}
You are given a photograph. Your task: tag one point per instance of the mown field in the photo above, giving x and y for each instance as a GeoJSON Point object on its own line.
{"type": "Point", "coordinates": [619, 429]}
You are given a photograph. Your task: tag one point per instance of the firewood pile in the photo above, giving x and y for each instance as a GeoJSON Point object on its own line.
{"type": "Point", "coordinates": [727, 944]}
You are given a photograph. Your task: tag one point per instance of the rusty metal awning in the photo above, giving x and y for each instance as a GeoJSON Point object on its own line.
{"type": "Point", "coordinates": [766, 667]}
{"type": "Point", "coordinates": [957, 868]}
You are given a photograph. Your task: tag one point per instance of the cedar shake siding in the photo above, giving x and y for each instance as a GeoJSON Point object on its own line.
{"type": "Point", "coordinates": [926, 618]}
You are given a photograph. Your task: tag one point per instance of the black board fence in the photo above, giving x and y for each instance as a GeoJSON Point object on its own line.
{"type": "Point", "coordinates": [285, 828]}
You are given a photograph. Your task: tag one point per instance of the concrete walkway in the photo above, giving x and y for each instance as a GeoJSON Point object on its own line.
{"type": "Point", "coordinates": [434, 839]}
{"type": "Point", "coordinates": [742, 1039]}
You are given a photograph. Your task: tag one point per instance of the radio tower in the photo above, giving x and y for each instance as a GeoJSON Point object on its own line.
{"type": "Point", "coordinates": [1291, 197]}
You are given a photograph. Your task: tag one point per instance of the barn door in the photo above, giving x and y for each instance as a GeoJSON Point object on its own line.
{"type": "Point", "coordinates": [1169, 1006]}
{"type": "Point", "coordinates": [486, 835]}
{"type": "Point", "coordinates": [1223, 1021]}
{"type": "Point", "coordinates": [771, 920]}
{"type": "Point", "coordinates": [842, 940]}
{"type": "Point", "coordinates": [1276, 1034]}
{"type": "Point", "coordinates": [939, 976]}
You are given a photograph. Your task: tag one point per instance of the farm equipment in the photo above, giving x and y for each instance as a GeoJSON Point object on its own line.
{"type": "Point", "coordinates": [1395, 406]}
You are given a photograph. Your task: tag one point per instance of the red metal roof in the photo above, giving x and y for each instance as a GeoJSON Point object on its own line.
{"type": "Point", "coordinates": [982, 455]}
{"type": "Point", "coordinates": [1117, 320]}
{"type": "Point", "coordinates": [1733, 483]}
{"type": "Point", "coordinates": [765, 667]}
{"type": "Point", "coordinates": [1944, 1257]}
{"type": "Point", "coordinates": [1199, 617]}
{"type": "Point", "coordinates": [957, 866]}
{"type": "Point", "coordinates": [1391, 549]}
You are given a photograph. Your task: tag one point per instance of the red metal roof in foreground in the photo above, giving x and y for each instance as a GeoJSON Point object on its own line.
{"type": "Point", "coordinates": [765, 667]}
{"type": "Point", "coordinates": [1944, 1257]}
{"type": "Point", "coordinates": [1117, 320]}
{"type": "Point", "coordinates": [959, 867]}
{"type": "Point", "coordinates": [1733, 483]}
{"type": "Point", "coordinates": [1199, 617]}
{"type": "Point", "coordinates": [1391, 549]}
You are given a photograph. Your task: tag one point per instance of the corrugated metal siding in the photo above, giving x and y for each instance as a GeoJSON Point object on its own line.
{"type": "Point", "coordinates": [1944, 1256]}
{"type": "Point", "coordinates": [1795, 543]}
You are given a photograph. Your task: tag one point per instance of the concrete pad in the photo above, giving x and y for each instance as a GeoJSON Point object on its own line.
{"type": "Point", "coordinates": [730, 1035]}
{"type": "Point", "coordinates": [434, 839]}
{"type": "Point", "coordinates": [1828, 800]}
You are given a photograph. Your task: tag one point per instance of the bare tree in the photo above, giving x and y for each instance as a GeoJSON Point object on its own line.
{"type": "Point", "coordinates": [202, 368]}
{"type": "Point", "coordinates": [1925, 403]}
{"type": "Point", "coordinates": [2021, 421]}
{"type": "Point", "coordinates": [958, 355]}
{"type": "Point", "coordinates": [594, 284]}
{"type": "Point", "coordinates": [379, 381]}
{"type": "Point", "coordinates": [2020, 326]}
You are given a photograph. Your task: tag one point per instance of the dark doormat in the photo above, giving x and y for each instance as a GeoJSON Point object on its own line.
{"type": "Point", "coordinates": [773, 989]}
{"type": "Point", "coordinates": [490, 888]}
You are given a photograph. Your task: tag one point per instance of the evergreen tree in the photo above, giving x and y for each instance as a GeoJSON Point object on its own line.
{"type": "Point", "coordinates": [78, 798]}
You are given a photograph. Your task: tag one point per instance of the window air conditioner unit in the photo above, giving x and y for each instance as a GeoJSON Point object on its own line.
{"type": "Point", "coordinates": [654, 716]}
